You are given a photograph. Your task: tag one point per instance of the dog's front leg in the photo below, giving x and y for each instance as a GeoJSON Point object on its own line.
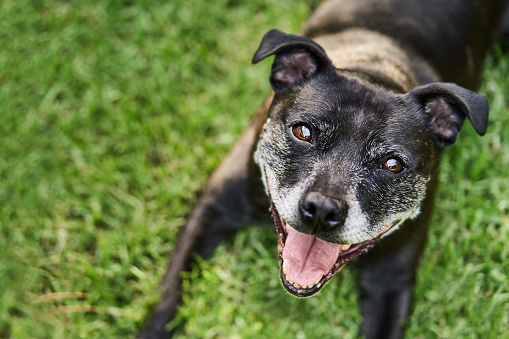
{"type": "Point", "coordinates": [233, 198]}
{"type": "Point", "coordinates": [387, 276]}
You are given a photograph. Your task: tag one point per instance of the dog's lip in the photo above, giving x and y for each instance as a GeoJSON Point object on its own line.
{"type": "Point", "coordinates": [347, 253]}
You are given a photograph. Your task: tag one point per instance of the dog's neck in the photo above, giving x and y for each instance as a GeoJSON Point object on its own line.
{"type": "Point", "coordinates": [375, 59]}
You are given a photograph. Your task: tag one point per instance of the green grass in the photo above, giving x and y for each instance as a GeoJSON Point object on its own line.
{"type": "Point", "coordinates": [114, 113]}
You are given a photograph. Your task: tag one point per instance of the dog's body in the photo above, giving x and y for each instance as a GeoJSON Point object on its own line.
{"type": "Point", "coordinates": [348, 148]}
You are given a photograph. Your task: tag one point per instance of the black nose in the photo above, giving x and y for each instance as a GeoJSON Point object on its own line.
{"type": "Point", "coordinates": [320, 211]}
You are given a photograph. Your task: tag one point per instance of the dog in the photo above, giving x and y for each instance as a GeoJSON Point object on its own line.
{"type": "Point", "coordinates": [346, 151]}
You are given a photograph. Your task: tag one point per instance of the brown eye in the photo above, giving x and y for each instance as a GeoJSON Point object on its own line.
{"type": "Point", "coordinates": [393, 165]}
{"type": "Point", "coordinates": [301, 132]}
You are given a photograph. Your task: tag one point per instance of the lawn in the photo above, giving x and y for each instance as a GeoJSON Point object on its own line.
{"type": "Point", "coordinates": [114, 113]}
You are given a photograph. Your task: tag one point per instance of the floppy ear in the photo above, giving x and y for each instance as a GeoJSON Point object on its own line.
{"type": "Point", "coordinates": [446, 106]}
{"type": "Point", "coordinates": [297, 58]}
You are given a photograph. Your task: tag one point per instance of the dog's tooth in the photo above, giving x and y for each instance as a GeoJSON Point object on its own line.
{"type": "Point", "coordinates": [345, 247]}
{"type": "Point", "coordinates": [317, 281]}
{"type": "Point", "coordinates": [291, 282]}
{"type": "Point", "coordinates": [299, 286]}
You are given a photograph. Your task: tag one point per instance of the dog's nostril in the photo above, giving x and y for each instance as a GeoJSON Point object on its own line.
{"type": "Point", "coordinates": [308, 209]}
{"type": "Point", "coordinates": [332, 218]}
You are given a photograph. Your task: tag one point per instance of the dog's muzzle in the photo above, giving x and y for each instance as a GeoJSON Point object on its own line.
{"type": "Point", "coordinates": [307, 262]}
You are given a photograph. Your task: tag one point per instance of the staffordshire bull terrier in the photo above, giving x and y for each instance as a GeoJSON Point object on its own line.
{"type": "Point", "coordinates": [346, 151]}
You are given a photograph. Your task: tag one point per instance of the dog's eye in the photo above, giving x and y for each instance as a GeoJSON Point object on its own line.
{"type": "Point", "coordinates": [393, 165]}
{"type": "Point", "coordinates": [302, 132]}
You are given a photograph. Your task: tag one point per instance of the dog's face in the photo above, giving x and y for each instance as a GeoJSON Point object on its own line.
{"type": "Point", "coordinates": [333, 141]}
{"type": "Point", "coordinates": [345, 164]}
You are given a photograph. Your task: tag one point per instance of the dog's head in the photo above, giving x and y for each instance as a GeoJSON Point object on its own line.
{"type": "Point", "coordinates": [345, 164]}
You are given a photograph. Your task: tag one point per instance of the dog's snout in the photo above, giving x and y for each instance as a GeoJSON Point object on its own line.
{"type": "Point", "coordinates": [323, 212]}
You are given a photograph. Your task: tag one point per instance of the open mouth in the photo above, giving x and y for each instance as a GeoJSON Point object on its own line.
{"type": "Point", "coordinates": [307, 262]}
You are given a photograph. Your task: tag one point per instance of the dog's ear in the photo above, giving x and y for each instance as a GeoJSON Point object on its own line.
{"type": "Point", "coordinates": [446, 106]}
{"type": "Point", "coordinates": [297, 58]}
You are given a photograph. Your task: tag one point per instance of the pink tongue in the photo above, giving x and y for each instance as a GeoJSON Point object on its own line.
{"type": "Point", "coordinates": [308, 258]}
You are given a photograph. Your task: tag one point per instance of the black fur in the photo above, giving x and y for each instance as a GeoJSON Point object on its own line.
{"type": "Point", "coordinates": [371, 94]}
